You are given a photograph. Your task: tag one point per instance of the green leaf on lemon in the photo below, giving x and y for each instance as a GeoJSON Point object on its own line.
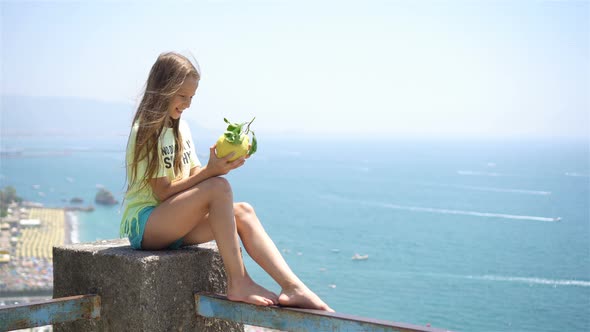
{"type": "Point", "coordinates": [236, 139]}
{"type": "Point", "coordinates": [254, 143]}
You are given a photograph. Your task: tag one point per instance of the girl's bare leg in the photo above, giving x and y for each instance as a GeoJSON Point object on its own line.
{"type": "Point", "coordinates": [212, 201]}
{"type": "Point", "coordinates": [263, 250]}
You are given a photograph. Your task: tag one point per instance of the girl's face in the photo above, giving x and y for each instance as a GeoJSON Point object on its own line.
{"type": "Point", "coordinates": [182, 98]}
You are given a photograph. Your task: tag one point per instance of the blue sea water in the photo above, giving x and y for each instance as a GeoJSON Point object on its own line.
{"type": "Point", "coordinates": [465, 235]}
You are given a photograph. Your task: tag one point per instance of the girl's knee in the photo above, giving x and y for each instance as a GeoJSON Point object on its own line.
{"type": "Point", "coordinates": [218, 184]}
{"type": "Point", "coordinates": [245, 217]}
{"type": "Point", "coordinates": [243, 210]}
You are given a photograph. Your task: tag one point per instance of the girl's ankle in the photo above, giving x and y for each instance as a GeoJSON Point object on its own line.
{"type": "Point", "coordinates": [292, 285]}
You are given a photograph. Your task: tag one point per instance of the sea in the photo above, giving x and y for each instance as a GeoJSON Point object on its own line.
{"type": "Point", "coordinates": [462, 234]}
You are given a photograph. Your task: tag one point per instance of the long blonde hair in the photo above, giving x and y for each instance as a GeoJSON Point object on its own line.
{"type": "Point", "coordinates": [165, 79]}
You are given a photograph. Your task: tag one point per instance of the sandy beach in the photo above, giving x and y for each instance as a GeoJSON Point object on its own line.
{"type": "Point", "coordinates": [29, 271]}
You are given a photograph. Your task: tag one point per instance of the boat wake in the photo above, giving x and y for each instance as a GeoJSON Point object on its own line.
{"type": "Point", "coordinates": [466, 213]}
{"type": "Point", "coordinates": [540, 281]}
{"type": "Point", "coordinates": [492, 189]}
{"type": "Point", "coordinates": [499, 278]}
{"type": "Point", "coordinates": [575, 174]}
{"type": "Point", "coordinates": [524, 280]}
{"type": "Point", "coordinates": [476, 173]}
{"type": "Point", "coordinates": [445, 211]}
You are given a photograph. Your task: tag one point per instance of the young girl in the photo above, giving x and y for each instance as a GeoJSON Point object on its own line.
{"type": "Point", "coordinates": [172, 201]}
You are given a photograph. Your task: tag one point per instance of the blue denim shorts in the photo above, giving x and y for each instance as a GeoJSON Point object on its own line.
{"type": "Point", "coordinates": [136, 238]}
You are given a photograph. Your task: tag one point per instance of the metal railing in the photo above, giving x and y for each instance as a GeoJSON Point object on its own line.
{"type": "Point", "coordinates": [292, 319]}
{"type": "Point", "coordinates": [68, 309]}
{"type": "Point", "coordinates": [65, 309]}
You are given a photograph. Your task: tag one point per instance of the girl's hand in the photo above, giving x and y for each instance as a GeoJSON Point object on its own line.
{"type": "Point", "coordinates": [222, 166]}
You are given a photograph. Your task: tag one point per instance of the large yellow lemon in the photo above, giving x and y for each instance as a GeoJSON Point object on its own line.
{"type": "Point", "coordinates": [224, 147]}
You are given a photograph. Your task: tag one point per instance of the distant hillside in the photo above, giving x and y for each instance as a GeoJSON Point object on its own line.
{"type": "Point", "coordinates": [62, 116]}
{"type": "Point", "coordinates": [52, 116]}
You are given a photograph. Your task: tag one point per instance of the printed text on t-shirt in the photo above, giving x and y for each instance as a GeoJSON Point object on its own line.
{"type": "Point", "coordinates": [169, 151]}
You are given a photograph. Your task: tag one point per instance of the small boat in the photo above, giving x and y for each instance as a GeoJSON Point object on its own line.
{"type": "Point", "coordinates": [358, 257]}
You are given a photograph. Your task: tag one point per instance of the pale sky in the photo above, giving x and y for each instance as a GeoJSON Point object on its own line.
{"type": "Point", "coordinates": [358, 68]}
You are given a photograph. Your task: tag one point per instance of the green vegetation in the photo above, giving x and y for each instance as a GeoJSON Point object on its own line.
{"type": "Point", "coordinates": [236, 139]}
{"type": "Point", "coordinates": [7, 196]}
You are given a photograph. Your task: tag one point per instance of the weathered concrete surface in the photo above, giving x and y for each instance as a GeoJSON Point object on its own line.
{"type": "Point", "coordinates": [140, 290]}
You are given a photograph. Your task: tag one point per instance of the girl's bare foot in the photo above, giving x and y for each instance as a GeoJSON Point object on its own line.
{"type": "Point", "coordinates": [302, 297]}
{"type": "Point", "coordinates": [250, 292]}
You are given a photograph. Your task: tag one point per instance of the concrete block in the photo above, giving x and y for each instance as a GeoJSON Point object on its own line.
{"type": "Point", "coordinates": [140, 290]}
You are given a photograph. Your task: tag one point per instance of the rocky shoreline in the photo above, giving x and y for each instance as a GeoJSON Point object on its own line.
{"type": "Point", "coordinates": [105, 197]}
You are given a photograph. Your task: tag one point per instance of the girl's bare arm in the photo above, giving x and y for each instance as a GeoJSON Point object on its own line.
{"type": "Point", "coordinates": [163, 188]}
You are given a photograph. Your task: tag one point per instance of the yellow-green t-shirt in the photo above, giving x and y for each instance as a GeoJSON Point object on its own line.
{"type": "Point", "coordinates": [138, 198]}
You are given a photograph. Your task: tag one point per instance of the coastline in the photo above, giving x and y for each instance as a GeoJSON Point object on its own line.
{"type": "Point", "coordinates": [29, 271]}
{"type": "Point", "coordinates": [72, 228]}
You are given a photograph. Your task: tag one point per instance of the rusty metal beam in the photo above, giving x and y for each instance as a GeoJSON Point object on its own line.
{"type": "Point", "coordinates": [291, 319]}
{"type": "Point", "coordinates": [65, 309]}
